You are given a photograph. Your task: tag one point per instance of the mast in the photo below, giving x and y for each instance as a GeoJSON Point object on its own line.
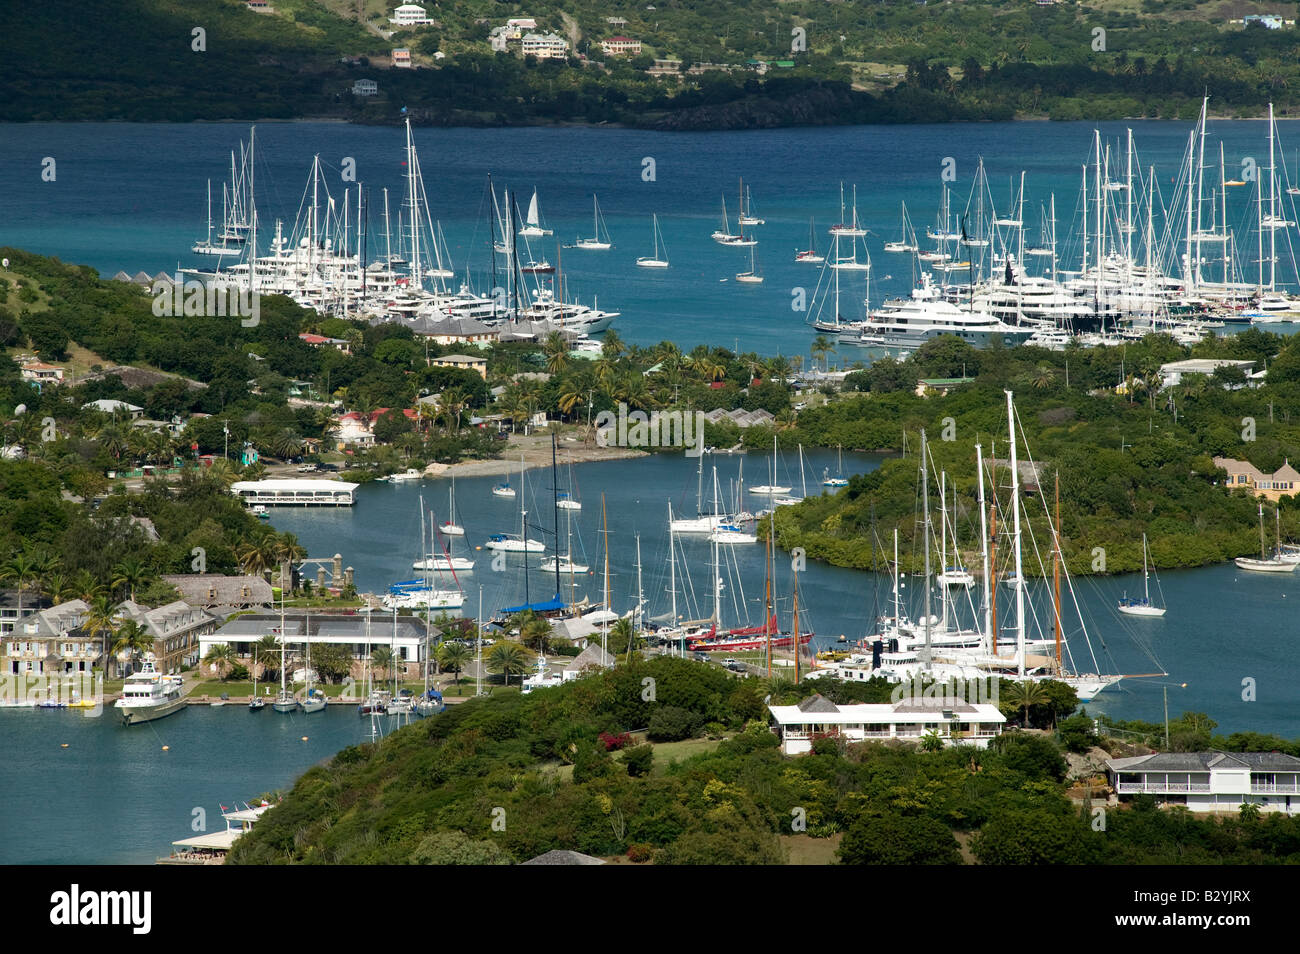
{"type": "Point", "coordinates": [1015, 517]}
{"type": "Point", "coordinates": [943, 544]}
{"type": "Point", "coordinates": [252, 212]}
{"type": "Point", "coordinates": [794, 593]}
{"type": "Point", "coordinates": [416, 275]}
{"type": "Point", "coordinates": [717, 569]}
{"type": "Point", "coordinates": [1056, 569]}
{"type": "Point", "coordinates": [767, 584]}
{"type": "Point", "coordinates": [640, 600]}
{"type": "Point", "coordinates": [925, 537]}
{"type": "Point", "coordinates": [478, 675]}
{"type": "Point", "coordinates": [555, 501]}
{"type": "Point", "coordinates": [672, 570]}
{"type": "Point", "coordinates": [984, 541]}
{"type": "Point", "coordinates": [604, 623]}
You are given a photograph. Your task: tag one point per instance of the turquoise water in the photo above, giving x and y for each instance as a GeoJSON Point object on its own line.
{"type": "Point", "coordinates": [133, 197]}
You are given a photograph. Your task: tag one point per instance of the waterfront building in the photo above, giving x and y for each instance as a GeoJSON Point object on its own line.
{"type": "Point", "coordinates": [952, 720]}
{"type": "Point", "coordinates": [1242, 474]}
{"type": "Point", "coordinates": [1211, 781]}
{"type": "Point", "coordinates": [407, 636]}
{"type": "Point", "coordinates": [295, 491]}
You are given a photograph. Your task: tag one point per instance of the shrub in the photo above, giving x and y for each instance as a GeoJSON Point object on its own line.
{"type": "Point", "coordinates": [613, 743]}
{"type": "Point", "coordinates": [639, 759]}
{"type": "Point", "coordinates": [236, 674]}
{"type": "Point", "coordinates": [898, 840]}
{"type": "Point", "coordinates": [671, 724]}
{"type": "Point", "coordinates": [637, 854]}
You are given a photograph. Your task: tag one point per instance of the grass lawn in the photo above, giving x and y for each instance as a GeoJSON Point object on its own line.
{"type": "Point", "coordinates": [806, 850]}
{"type": "Point", "coordinates": [669, 752]}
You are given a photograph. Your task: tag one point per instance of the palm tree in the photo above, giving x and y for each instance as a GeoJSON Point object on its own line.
{"type": "Point", "coordinates": [453, 657]}
{"type": "Point", "coordinates": [570, 399]}
{"type": "Point", "coordinates": [100, 622]}
{"type": "Point", "coordinates": [381, 658]}
{"type": "Point", "coordinates": [285, 443]}
{"type": "Point", "coordinates": [221, 656]}
{"type": "Point", "coordinates": [536, 634]}
{"type": "Point", "coordinates": [622, 637]}
{"type": "Point", "coordinates": [20, 567]}
{"type": "Point", "coordinates": [556, 350]}
{"type": "Point", "coordinates": [87, 586]}
{"type": "Point", "coordinates": [451, 406]}
{"type": "Point", "coordinates": [259, 556]}
{"type": "Point", "coordinates": [58, 588]}
{"type": "Point", "coordinates": [821, 347]}
{"type": "Point", "coordinates": [508, 658]}
{"type": "Point", "coordinates": [1024, 695]}
{"type": "Point", "coordinates": [612, 345]}
{"type": "Point", "coordinates": [266, 653]}
{"type": "Point", "coordinates": [130, 574]}
{"type": "Point", "coordinates": [132, 639]}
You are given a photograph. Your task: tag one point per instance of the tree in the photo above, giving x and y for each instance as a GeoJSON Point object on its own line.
{"type": "Point", "coordinates": [132, 639]}
{"type": "Point", "coordinates": [1022, 695]}
{"type": "Point", "coordinates": [508, 659]}
{"type": "Point", "coordinates": [536, 633]}
{"type": "Point", "coordinates": [1034, 836]}
{"type": "Point", "coordinates": [20, 567]}
{"type": "Point", "coordinates": [894, 839]}
{"type": "Point", "coordinates": [129, 575]}
{"type": "Point", "coordinates": [332, 662]}
{"type": "Point", "coordinates": [381, 659]}
{"type": "Point", "coordinates": [220, 656]}
{"type": "Point", "coordinates": [100, 622]}
{"type": "Point", "coordinates": [453, 657]}
{"type": "Point", "coordinates": [456, 848]}
{"type": "Point", "coordinates": [266, 653]}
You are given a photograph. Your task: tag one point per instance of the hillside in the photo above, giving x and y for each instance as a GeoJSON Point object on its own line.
{"type": "Point", "coordinates": [735, 63]}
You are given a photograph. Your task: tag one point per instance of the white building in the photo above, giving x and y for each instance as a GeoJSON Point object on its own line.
{"type": "Point", "coordinates": [407, 636]}
{"type": "Point", "coordinates": [1174, 372]}
{"type": "Point", "coordinates": [295, 491]}
{"type": "Point", "coordinates": [953, 721]}
{"type": "Point", "coordinates": [111, 406]}
{"type": "Point", "coordinates": [365, 87]}
{"type": "Point", "coordinates": [1211, 781]}
{"type": "Point", "coordinates": [545, 46]}
{"type": "Point", "coordinates": [618, 45]}
{"type": "Point", "coordinates": [409, 14]}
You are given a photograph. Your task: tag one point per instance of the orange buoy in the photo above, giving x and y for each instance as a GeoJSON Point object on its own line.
{"type": "Point", "coordinates": [304, 738]}
{"type": "Point", "coordinates": [166, 747]}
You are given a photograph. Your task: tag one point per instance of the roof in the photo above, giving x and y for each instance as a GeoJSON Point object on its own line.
{"type": "Point", "coordinates": [564, 857]}
{"type": "Point", "coordinates": [817, 703]}
{"type": "Point", "coordinates": [1206, 761]}
{"type": "Point", "coordinates": [593, 655]}
{"type": "Point", "coordinates": [462, 359]}
{"type": "Point", "coordinates": [109, 405]}
{"type": "Point", "coordinates": [292, 484]}
{"type": "Point", "coordinates": [1205, 365]}
{"type": "Point", "coordinates": [226, 590]}
{"type": "Point", "coordinates": [218, 840]}
{"type": "Point", "coordinates": [908, 710]}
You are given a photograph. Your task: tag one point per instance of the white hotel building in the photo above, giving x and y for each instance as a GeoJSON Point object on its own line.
{"type": "Point", "coordinates": [1211, 781]}
{"type": "Point", "coordinates": [953, 721]}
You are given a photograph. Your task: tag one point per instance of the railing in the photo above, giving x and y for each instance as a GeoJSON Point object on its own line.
{"type": "Point", "coordinates": [1160, 788]}
{"type": "Point", "coordinates": [1270, 788]}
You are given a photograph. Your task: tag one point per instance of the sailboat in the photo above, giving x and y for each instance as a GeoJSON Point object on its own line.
{"type": "Point", "coordinates": [747, 216]}
{"type": "Point", "coordinates": [772, 489]}
{"type": "Point", "coordinates": [1144, 606]}
{"type": "Point", "coordinates": [810, 254]}
{"type": "Point", "coordinates": [284, 700]}
{"type": "Point", "coordinates": [504, 489]}
{"type": "Point", "coordinates": [654, 260]}
{"type": "Point", "coordinates": [1265, 563]}
{"type": "Point", "coordinates": [509, 542]}
{"type": "Point", "coordinates": [750, 277]}
{"type": "Point", "coordinates": [451, 528]}
{"type": "Point", "coordinates": [853, 228]}
{"type": "Point", "coordinates": [313, 700]}
{"type": "Point", "coordinates": [255, 704]}
{"type": "Point", "coordinates": [724, 235]}
{"type": "Point", "coordinates": [739, 239]}
{"type": "Point", "coordinates": [599, 240]}
{"type": "Point", "coordinates": [837, 479]}
{"type": "Point", "coordinates": [908, 241]}
{"type": "Point", "coordinates": [563, 563]}
{"type": "Point", "coordinates": [564, 499]}
{"type": "Point", "coordinates": [532, 224]}
{"type": "Point", "coordinates": [441, 560]}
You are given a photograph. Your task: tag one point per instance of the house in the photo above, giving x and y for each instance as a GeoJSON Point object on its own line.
{"type": "Point", "coordinates": [953, 721]}
{"type": "Point", "coordinates": [365, 87]}
{"type": "Point", "coordinates": [545, 46]}
{"type": "Point", "coordinates": [616, 22]}
{"type": "Point", "coordinates": [459, 331]}
{"type": "Point", "coordinates": [1267, 21]}
{"type": "Point", "coordinates": [620, 45]}
{"type": "Point", "coordinates": [1283, 482]}
{"type": "Point", "coordinates": [358, 427]}
{"type": "Point", "coordinates": [408, 15]}
{"type": "Point", "coordinates": [741, 418]}
{"type": "Point", "coordinates": [1174, 372]}
{"type": "Point", "coordinates": [209, 590]}
{"type": "Point", "coordinates": [110, 406]}
{"type": "Point", "coordinates": [665, 68]}
{"type": "Point", "coordinates": [1211, 781]}
{"type": "Point", "coordinates": [50, 642]}
{"type": "Point", "coordinates": [262, 6]}
{"type": "Point", "coordinates": [42, 373]}
{"type": "Point", "coordinates": [10, 600]}
{"type": "Point", "coordinates": [466, 361]}
{"type": "Point", "coordinates": [591, 658]}
{"type": "Point", "coordinates": [320, 341]}
{"type": "Point", "coordinates": [516, 26]}
{"type": "Point", "coordinates": [926, 387]}
{"type": "Point", "coordinates": [402, 58]}
{"type": "Point", "coordinates": [176, 628]}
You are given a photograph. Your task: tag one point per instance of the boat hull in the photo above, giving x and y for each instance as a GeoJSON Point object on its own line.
{"type": "Point", "coordinates": [134, 715]}
{"type": "Point", "coordinates": [1264, 566]}
{"type": "Point", "coordinates": [1148, 611]}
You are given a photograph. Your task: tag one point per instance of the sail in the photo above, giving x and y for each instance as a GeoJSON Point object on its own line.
{"type": "Point", "coordinates": [532, 210]}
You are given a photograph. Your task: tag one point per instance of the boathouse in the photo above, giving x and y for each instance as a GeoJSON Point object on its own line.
{"type": "Point", "coordinates": [295, 491]}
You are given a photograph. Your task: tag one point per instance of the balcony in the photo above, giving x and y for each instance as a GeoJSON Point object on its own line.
{"type": "Point", "coordinates": [1275, 788]}
{"type": "Point", "coordinates": [1161, 788]}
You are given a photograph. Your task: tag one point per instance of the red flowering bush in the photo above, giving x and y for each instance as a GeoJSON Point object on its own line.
{"type": "Point", "coordinates": [613, 743]}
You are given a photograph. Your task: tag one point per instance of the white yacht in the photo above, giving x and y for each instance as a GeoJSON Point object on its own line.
{"type": "Point", "coordinates": [148, 694]}
{"type": "Point", "coordinates": [511, 543]}
{"type": "Point", "coordinates": [906, 324]}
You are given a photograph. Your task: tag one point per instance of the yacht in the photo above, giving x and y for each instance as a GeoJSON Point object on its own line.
{"type": "Point", "coordinates": [148, 694]}
{"type": "Point", "coordinates": [906, 324]}
{"type": "Point", "coordinates": [443, 563]}
{"type": "Point", "coordinates": [511, 543]}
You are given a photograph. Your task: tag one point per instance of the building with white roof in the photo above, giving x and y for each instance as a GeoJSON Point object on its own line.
{"type": "Point", "coordinates": [954, 721]}
{"type": "Point", "coordinates": [1211, 781]}
{"type": "Point", "coordinates": [545, 46]}
{"type": "Point", "coordinates": [1173, 373]}
{"type": "Point", "coordinates": [295, 491]}
{"type": "Point", "coordinates": [410, 14]}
